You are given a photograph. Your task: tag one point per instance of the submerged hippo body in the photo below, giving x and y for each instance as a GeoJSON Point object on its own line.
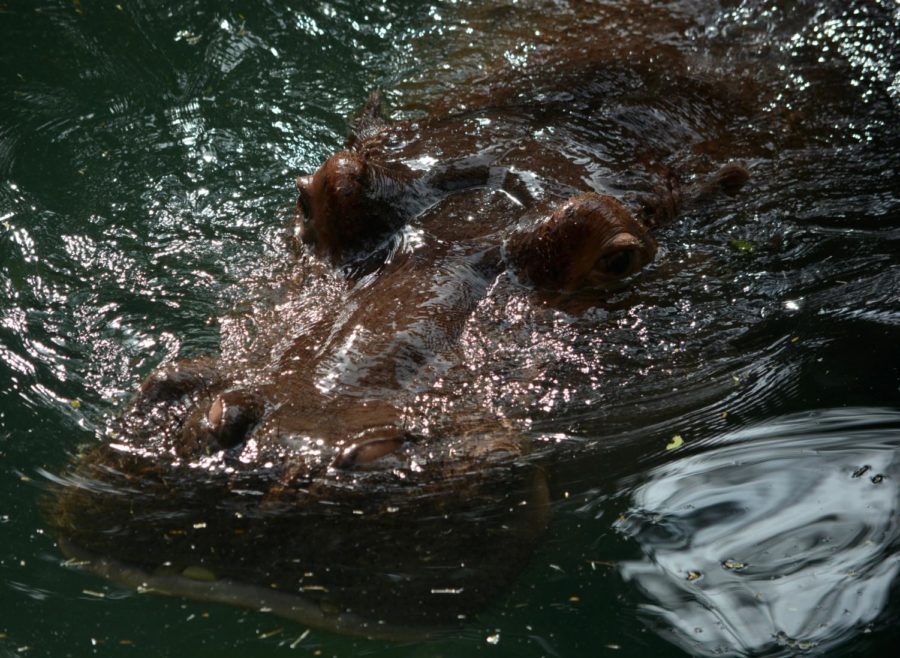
{"type": "Point", "coordinates": [296, 471]}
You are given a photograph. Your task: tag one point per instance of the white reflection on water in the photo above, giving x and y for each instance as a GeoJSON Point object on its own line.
{"type": "Point", "coordinates": [786, 536]}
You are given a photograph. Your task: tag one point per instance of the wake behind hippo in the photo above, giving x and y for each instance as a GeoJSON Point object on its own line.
{"type": "Point", "coordinates": [297, 471]}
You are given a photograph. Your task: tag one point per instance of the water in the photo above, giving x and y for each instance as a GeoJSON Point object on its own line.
{"type": "Point", "coordinates": [814, 530]}
{"type": "Point", "coordinates": [146, 164]}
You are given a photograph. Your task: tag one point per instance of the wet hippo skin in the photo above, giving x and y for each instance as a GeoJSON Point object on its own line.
{"type": "Point", "coordinates": [295, 471]}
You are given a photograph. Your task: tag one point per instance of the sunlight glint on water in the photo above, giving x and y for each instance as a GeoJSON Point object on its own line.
{"type": "Point", "coordinates": [147, 155]}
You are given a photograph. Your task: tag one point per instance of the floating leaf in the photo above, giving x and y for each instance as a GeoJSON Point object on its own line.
{"type": "Point", "coordinates": [734, 565]}
{"type": "Point", "coordinates": [694, 575]}
{"type": "Point", "coordinates": [75, 404]}
{"type": "Point", "coordinates": [741, 245]}
{"type": "Point", "coordinates": [676, 442]}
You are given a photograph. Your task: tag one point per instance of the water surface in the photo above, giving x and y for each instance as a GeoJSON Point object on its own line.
{"type": "Point", "coordinates": [146, 162]}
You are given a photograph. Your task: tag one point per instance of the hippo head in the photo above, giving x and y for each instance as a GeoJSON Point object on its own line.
{"type": "Point", "coordinates": [299, 472]}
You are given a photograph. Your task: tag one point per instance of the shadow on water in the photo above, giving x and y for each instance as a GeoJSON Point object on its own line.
{"type": "Point", "coordinates": [147, 154]}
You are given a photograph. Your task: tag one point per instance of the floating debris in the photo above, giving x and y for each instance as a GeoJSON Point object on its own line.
{"type": "Point", "coordinates": [783, 639]}
{"type": "Point", "coordinates": [742, 245]}
{"type": "Point", "coordinates": [201, 574]}
{"type": "Point", "coordinates": [188, 37]}
{"type": "Point", "coordinates": [272, 633]}
{"type": "Point", "coordinates": [296, 643]}
{"type": "Point", "coordinates": [862, 470]}
{"type": "Point", "coordinates": [74, 562]}
{"type": "Point", "coordinates": [602, 563]}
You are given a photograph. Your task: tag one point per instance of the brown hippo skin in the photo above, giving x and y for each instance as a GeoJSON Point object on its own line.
{"type": "Point", "coordinates": [295, 472]}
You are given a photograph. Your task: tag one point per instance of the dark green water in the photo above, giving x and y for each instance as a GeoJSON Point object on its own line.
{"type": "Point", "coordinates": [147, 153]}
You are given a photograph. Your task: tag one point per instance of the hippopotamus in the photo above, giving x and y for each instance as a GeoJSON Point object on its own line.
{"type": "Point", "coordinates": [296, 471]}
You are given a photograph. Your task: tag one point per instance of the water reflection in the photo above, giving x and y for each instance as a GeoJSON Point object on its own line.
{"type": "Point", "coordinates": [785, 536]}
{"type": "Point", "coordinates": [146, 158]}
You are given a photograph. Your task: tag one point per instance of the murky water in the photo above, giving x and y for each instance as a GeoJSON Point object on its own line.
{"type": "Point", "coordinates": [146, 163]}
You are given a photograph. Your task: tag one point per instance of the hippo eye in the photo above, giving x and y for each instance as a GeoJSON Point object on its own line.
{"type": "Point", "coordinates": [620, 263]}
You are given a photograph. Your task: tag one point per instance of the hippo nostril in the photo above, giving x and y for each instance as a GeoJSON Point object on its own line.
{"type": "Point", "coordinates": [231, 416]}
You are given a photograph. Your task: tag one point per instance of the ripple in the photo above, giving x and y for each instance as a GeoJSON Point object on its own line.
{"type": "Point", "coordinates": [146, 158]}
{"type": "Point", "coordinates": [786, 533]}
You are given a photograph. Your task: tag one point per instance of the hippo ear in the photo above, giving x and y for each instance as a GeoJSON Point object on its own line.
{"type": "Point", "coordinates": [368, 123]}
